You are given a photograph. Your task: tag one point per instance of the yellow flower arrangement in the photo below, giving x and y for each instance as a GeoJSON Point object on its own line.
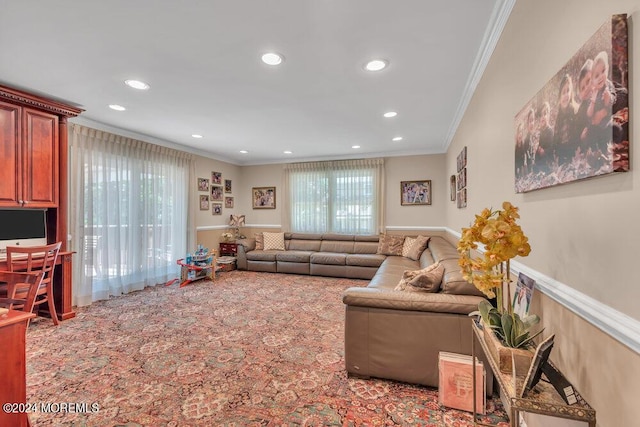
{"type": "Point", "coordinates": [503, 239]}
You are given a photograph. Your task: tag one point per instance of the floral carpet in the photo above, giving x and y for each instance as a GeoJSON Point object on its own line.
{"type": "Point", "coordinates": [249, 349]}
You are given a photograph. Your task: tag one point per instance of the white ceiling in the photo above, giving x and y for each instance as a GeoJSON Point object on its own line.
{"type": "Point", "coordinates": [202, 60]}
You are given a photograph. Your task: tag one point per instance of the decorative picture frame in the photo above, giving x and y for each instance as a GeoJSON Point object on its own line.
{"type": "Point", "coordinates": [216, 208]}
{"type": "Point", "coordinates": [414, 193]}
{"type": "Point", "coordinates": [203, 184]}
{"type": "Point", "coordinates": [227, 186]}
{"type": "Point", "coordinates": [204, 202]}
{"type": "Point", "coordinates": [216, 193]}
{"type": "Point", "coordinates": [462, 198]}
{"type": "Point", "coordinates": [216, 178]}
{"type": "Point", "coordinates": [461, 160]}
{"type": "Point", "coordinates": [228, 202]}
{"type": "Point", "coordinates": [462, 179]}
{"type": "Point", "coordinates": [263, 197]}
{"type": "Point", "coordinates": [452, 188]}
{"type": "Point", "coordinates": [577, 126]}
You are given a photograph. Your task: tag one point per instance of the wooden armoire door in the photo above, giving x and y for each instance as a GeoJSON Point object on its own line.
{"type": "Point", "coordinates": [10, 148]}
{"type": "Point", "coordinates": [40, 159]}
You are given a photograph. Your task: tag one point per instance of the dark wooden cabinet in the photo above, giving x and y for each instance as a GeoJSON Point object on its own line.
{"type": "Point", "coordinates": [33, 155]}
{"type": "Point", "coordinates": [13, 328]}
{"type": "Point", "coordinates": [228, 249]}
{"type": "Point", "coordinates": [30, 156]}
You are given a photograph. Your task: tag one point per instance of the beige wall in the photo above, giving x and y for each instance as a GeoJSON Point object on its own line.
{"type": "Point", "coordinates": [583, 234]}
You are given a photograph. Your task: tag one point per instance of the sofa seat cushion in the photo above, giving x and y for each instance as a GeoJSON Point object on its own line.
{"type": "Point", "coordinates": [329, 258]}
{"type": "Point", "coordinates": [294, 256]}
{"type": "Point", "coordinates": [257, 255]}
{"type": "Point", "coordinates": [365, 260]}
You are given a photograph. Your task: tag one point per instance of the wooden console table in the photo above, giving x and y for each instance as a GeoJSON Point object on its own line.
{"type": "Point", "coordinates": [543, 399]}
{"type": "Point", "coordinates": [62, 285]}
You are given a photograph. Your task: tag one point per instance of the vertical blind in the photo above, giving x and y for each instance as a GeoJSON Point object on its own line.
{"type": "Point", "coordinates": [335, 197]}
{"type": "Point", "coordinates": [128, 213]}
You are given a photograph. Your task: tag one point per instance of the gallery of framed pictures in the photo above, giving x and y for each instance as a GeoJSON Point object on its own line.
{"type": "Point", "coordinates": [577, 125]}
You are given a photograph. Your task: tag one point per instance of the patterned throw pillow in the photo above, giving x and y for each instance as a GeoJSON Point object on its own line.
{"type": "Point", "coordinates": [259, 242]}
{"type": "Point", "coordinates": [425, 280]}
{"type": "Point", "coordinates": [414, 246]}
{"type": "Point", "coordinates": [273, 241]}
{"type": "Point", "coordinates": [390, 244]}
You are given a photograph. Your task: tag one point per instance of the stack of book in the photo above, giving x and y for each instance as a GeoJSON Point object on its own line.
{"type": "Point", "coordinates": [456, 382]}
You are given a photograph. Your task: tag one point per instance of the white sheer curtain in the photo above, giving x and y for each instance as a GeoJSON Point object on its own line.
{"type": "Point", "coordinates": [335, 197]}
{"type": "Point", "coordinates": [128, 213]}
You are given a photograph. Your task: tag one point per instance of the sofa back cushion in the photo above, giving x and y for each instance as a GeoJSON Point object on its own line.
{"type": "Point", "coordinates": [304, 245]}
{"type": "Point", "coordinates": [339, 246]}
{"type": "Point", "coordinates": [453, 282]}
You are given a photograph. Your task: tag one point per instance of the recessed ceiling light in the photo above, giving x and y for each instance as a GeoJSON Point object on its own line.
{"type": "Point", "coordinates": [288, 152]}
{"type": "Point", "coordinates": [244, 151]}
{"type": "Point", "coordinates": [376, 65]}
{"type": "Point", "coordinates": [137, 84]}
{"type": "Point", "coordinates": [272, 58]}
{"type": "Point", "coordinates": [117, 107]}
{"type": "Point", "coordinates": [390, 114]}
{"type": "Point", "coordinates": [355, 146]}
{"type": "Point", "coordinates": [397, 138]}
{"type": "Point", "coordinates": [195, 135]}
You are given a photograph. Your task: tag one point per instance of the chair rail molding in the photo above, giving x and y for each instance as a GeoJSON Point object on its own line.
{"type": "Point", "coordinates": [618, 325]}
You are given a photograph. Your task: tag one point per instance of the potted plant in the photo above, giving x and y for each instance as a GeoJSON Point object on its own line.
{"type": "Point", "coordinates": [503, 239]}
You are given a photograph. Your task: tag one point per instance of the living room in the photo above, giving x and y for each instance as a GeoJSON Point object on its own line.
{"type": "Point", "coordinates": [581, 233]}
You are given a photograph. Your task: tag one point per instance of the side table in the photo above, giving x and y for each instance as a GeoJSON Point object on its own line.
{"type": "Point", "coordinates": [228, 249]}
{"type": "Point", "coordinates": [543, 399]}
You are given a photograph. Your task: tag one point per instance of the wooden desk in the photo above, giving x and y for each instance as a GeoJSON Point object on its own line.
{"type": "Point", "coordinates": [13, 328]}
{"type": "Point", "coordinates": [62, 285]}
{"type": "Point", "coordinates": [543, 399]}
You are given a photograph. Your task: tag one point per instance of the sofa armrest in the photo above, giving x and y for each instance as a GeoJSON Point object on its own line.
{"type": "Point", "coordinates": [412, 301]}
{"type": "Point", "coordinates": [244, 246]}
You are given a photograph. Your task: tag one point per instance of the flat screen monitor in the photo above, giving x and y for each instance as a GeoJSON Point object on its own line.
{"type": "Point", "coordinates": [22, 227]}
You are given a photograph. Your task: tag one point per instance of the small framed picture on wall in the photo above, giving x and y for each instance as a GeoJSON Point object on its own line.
{"type": "Point", "coordinates": [415, 192]}
{"type": "Point", "coordinates": [204, 202]}
{"type": "Point", "coordinates": [264, 197]}
{"type": "Point", "coordinates": [203, 184]}
{"type": "Point", "coordinates": [227, 186]}
{"type": "Point", "coordinates": [216, 208]}
{"type": "Point", "coordinates": [228, 202]}
{"type": "Point", "coordinates": [216, 178]}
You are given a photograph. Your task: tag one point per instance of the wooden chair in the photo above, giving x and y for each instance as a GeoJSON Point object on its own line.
{"type": "Point", "coordinates": [22, 289]}
{"type": "Point", "coordinates": [37, 259]}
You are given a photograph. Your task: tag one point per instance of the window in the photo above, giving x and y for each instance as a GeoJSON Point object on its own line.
{"type": "Point", "coordinates": [335, 197]}
{"type": "Point", "coordinates": [128, 213]}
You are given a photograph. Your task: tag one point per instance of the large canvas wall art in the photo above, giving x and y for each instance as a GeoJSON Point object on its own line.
{"type": "Point", "coordinates": [577, 125]}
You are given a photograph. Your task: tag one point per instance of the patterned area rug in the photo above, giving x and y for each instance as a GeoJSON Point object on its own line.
{"type": "Point", "coordinates": [250, 349]}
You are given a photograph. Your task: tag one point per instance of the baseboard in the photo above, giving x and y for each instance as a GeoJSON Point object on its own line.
{"type": "Point", "coordinates": [621, 327]}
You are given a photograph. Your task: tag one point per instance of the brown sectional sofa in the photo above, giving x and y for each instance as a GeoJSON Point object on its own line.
{"type": "Point", "coordinates": [335, 255]}
{"type": "Point", "coordinates": [388, 334]}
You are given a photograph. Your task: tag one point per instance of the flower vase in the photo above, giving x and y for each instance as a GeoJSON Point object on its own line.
{"type": "Point", "coordinates": [502, 354]}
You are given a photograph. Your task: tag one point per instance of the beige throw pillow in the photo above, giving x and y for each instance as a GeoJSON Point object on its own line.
{"type": "Point", "coordinates": [414, 246]}
{"type": "Point", "coordinates": [259, 242]}
{"type": "Point", "coordinates": [425, 280]}
{"type": "Point", "coordinates": [273, 241]}
{"type": "Point", "coordinates": [390, 244]}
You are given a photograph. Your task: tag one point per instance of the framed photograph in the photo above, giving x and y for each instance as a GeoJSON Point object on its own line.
{"type": "Point", "coordinates": [539, 360]}
{"type": "Point", "coordinates": [264, 197]}
{"type": "Point", "coordinates": [203, 184]}
{"type": "Point", "coordinates": [228, 202]}
{"type": "Point", "coordinates": [462, 198]}
{"type": "Point", "coordinates": [523, 294]}
{"type": "Point", "coordinates": [462, 179]}
{"type": "Point", "coordinates": [227, 186]}
{"type": "Point", "coordinates": [415, 192]}
{"type": "Point", "coordinates": [452, 188]}
{"type": "Point", "coordinates": [216, 178]}
{"type": "Point", "coordinates": [462, 159]}
{"type": "Point", "coordinates": [216, 193]}
{"type": "Point", "coordinates": [216, 208]}
{"type": "Point", "coordinates": [577, 125]}
{"type": "Point", "coordinates": [204, 202]}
